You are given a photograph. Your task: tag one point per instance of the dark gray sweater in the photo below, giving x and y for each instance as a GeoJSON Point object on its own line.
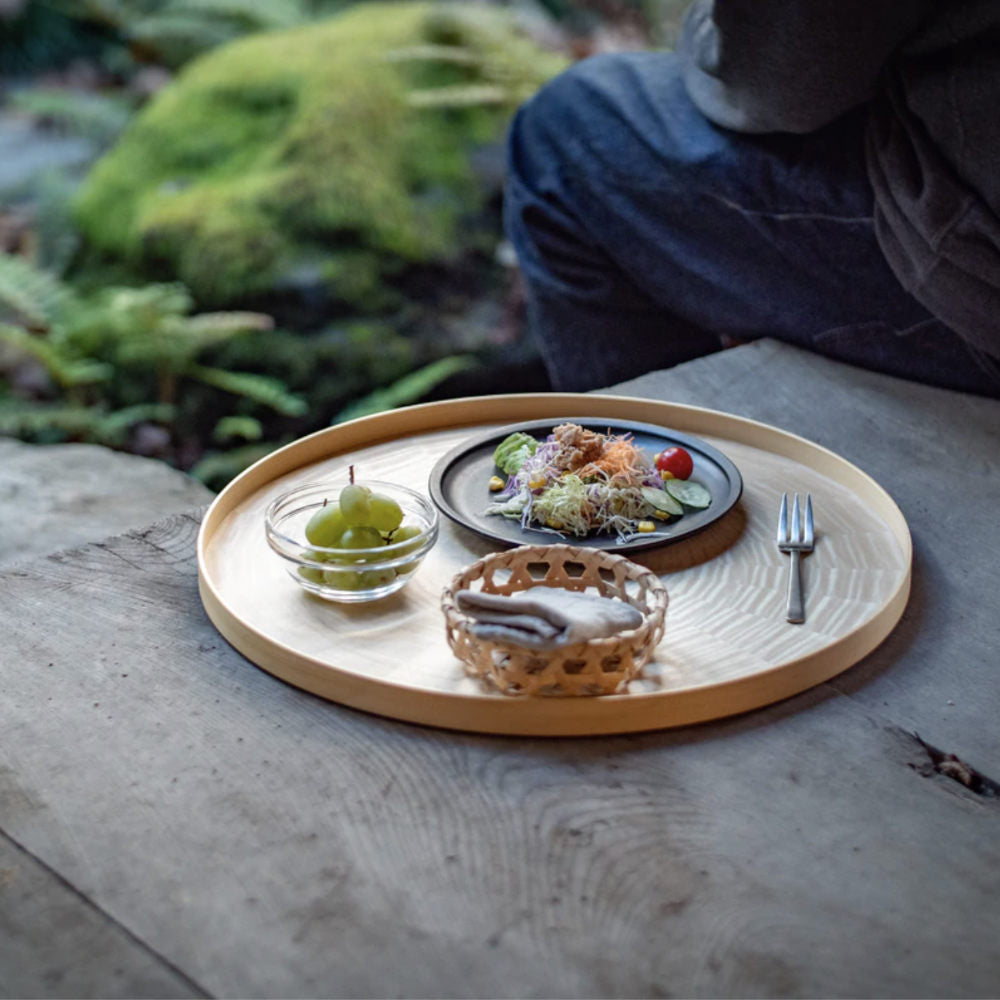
{"type": "Point", "coordinates": [928, 72]}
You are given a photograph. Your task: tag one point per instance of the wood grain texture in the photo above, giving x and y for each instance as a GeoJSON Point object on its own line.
{"type": "Point", "coordinates": [55, 496]}
{"type": "Point", "coordinates": [937, 453]}
{"type": "Point", "coordinates": [727, 646]}
{"type": "Point", "coordinates": [56, 943]}
{"type": "Point", "coordinates": [268, 843]}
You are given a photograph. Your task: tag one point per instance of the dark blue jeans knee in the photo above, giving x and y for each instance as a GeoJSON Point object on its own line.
{"type": "Point", "coordinates": [645, 234]}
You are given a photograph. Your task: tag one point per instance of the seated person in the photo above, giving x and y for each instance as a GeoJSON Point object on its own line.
{"type": "Point", "coordinates": [824, 172]}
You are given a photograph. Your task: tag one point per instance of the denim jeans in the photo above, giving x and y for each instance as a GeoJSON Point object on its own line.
{"type": "Point", "coordinates": [648, 236]}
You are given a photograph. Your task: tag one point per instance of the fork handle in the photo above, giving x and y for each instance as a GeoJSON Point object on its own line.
{"type": "Point", "coordinates": [795, 613]}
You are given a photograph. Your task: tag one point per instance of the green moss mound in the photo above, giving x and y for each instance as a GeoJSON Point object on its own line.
{"type": "Point", "coordinates": [339, 153]}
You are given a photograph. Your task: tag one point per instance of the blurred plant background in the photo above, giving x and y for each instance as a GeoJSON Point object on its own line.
{"type": "Point", "coordinates": [228, 223]}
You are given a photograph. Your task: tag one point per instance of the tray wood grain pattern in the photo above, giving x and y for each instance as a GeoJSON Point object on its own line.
{"type": "Point", "coordinates": [727, 648]}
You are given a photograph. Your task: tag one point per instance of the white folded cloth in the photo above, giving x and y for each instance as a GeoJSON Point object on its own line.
{"type": "Point", "coordinates": [545, 617]}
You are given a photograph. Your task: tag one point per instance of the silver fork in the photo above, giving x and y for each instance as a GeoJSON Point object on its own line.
{"type": "Point", "coordinates": [795, 537]}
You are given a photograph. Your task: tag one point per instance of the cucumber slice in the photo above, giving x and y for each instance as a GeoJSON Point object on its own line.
{"type": "Point", "coordinates": [689, 493]}
{"type": "Point", "coordinates": [661, 501]}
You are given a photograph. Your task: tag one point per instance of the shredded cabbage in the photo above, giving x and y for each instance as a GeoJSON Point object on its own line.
{"type": "Point", "coordinates": [543, 496]}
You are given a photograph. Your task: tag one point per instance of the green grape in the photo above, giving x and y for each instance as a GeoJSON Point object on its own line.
{"type": "Point", "coordinates": [355, 504]}
{"type": "Point", "coordinates": [383, 512]}
{"type": "Point", "coordinates": [414, 535]}
{"type": "Point", "coordinates": [377, 578]}
{"type": "Point", "coordinates": [405, 533]}
{"type": "Point", "coordinates": [343, 579]}
{"type": "Point", "coordinates": [361, 537]}
{"type": "Point", "coordinates": [358, 579]}
{"type": "Point", "coordinates": [310, 573]}
{"type": "Point", "coordinates": [326, 526]}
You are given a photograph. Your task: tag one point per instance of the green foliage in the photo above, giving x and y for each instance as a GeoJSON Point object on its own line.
{"type": "Point", "coordinates": [179, 31]}
{"type": "Point", "coordinates": [170, 32]}
{"type": "Point", "coordinates": [47, 194]}
{"type": "Point", "coordinates": [100, 117]}
{"type": "Point", "coordinates": [334, 161]}
{"type": "Point", "coordinates": [330, 368]}
{"type": "Point", "coordinates": [55, 235]}
{"type": "Point", "coordinates": [408, 389]}
{"type": "Point", "coordinates": [217, 468]}
{"type": "Point", "coordinates": [29, 295]}
{"type": "Point", "coordinates": [52, 422]}
{"type": "Point", "coordinates": [66, 370]}
{"type": "Point", "coordinates": [44, 35]}
{"type": "Point", "coordinates": [246, 428]}
{"type": "Point", "coordinates": [345, 371]}
{"type": "Point", "coordinates": [259, 388]}
{"type": "Point", "coordinates": [341, 148]}
{"type": "Point", "coordinates": [120, 356]}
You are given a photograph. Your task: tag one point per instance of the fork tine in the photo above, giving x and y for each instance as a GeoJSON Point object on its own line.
{"type": "Point", "coordinates": [796, 522]}
{"type": "Point", "coordinates": [809, 537]}
{"type": "Point", "coordinates": [783, 520]}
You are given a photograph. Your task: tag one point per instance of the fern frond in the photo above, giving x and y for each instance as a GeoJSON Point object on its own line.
{"type": "Point", "coordinates": [29, 421]}
{"type": "Point", "coordinates": [460, 96]}
{"type": "Point", "coordinates": [29, 293]}
{"type": "Point", "coordinates": [181, 30]}
{"type": "Point", "coordinates": [111, 428]}
{"type": "Point", "coordinates": [216, 470]}
{"type": "Point", "coordinates": [260, 388]}
{"type": "Point", "coordinates": [247, 428]}
{"type": "Point", "coordinates": [409, 389]}
{"type": "Point", "coordinates": [214, 327]}
{"type": "Point", "coordinates": [177, 36]}
{"type": "Point", "coordinates": [148, 302]}
{"type": "Point", "coordinates": [32, 420]}
{"type": "Point", "coordinates": [254, 15]}
{"type": "Point", "coordinates": [66, 371]}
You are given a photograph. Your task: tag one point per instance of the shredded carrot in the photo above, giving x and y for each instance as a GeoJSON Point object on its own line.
{"type": "Point", "coordinates": [620, 462]}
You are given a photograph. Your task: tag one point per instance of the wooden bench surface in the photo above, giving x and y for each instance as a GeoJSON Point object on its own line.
{"type": "Point", "coordinates": [176, 822]}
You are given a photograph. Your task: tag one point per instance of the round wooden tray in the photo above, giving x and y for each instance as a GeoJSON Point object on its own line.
{"type": "Point", "coordinates": [727, 647]}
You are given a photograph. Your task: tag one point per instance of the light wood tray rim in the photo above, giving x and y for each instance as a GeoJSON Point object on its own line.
{"type": "Point", "coordinates": [608, 714]}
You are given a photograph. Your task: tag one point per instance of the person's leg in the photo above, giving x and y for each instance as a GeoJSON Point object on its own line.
{"type": "Point", "coordinates": [645, 234]}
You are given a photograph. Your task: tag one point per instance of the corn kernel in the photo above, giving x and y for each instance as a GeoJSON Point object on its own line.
{"type": "Point", "coordinates": [645, 527]}
{"type": "Point", "coordinates": [537, 484]}
{"type": "Point", "coordinates": [496, 483]}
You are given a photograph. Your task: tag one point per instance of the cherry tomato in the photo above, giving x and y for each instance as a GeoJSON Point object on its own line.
{"type": "Point", "coordinates": [674, 463]}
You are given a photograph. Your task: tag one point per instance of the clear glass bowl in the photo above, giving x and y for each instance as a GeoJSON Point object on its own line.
{"type": "Point", "coordinates": [348, 575]}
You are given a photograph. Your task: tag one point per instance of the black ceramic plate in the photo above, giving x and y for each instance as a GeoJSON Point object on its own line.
{"type": "Point", "coordinates": [459, 485]}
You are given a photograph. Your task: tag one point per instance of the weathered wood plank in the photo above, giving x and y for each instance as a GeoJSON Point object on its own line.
{"type": "Point", "coordinates": [54, 943]}
{"type": "Point", "coordinates": [268, 843]}
{"type": "Point", "coordinates": [938, 454]}
{"type": "Point", "coordinates": [56, 496]}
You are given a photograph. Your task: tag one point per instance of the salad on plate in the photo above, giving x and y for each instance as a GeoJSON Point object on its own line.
{"type": "Point", "coordinates": [580, 482]}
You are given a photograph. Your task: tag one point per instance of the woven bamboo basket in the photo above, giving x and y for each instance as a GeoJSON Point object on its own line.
{"type": "Point", "coordinates": [594, 667]}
